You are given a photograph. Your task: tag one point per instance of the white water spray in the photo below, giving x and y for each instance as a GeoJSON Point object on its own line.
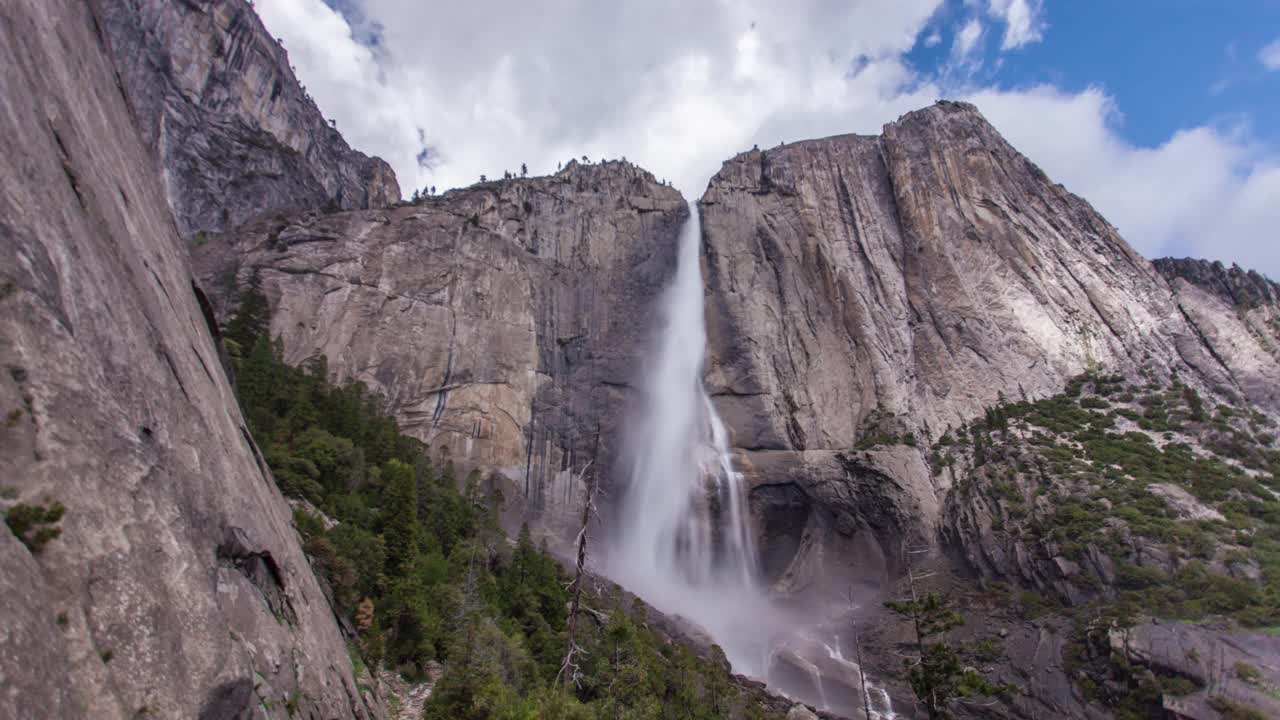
{"type": "Point", "coordinates": [684, 541]}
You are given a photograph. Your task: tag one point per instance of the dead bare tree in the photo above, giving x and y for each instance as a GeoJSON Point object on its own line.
{"type": "Point", "coordinates": [857, 648]}
{"type": "Point", "coordinates": [569, 668]}
{"type": "Point", "coordinates": [929, 618]}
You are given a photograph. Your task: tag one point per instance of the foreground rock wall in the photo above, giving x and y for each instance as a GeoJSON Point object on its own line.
{"type": "Point", "coordinates": [177, 587]}
{"type": "Point", "coordinates": [503, 322]}
{"type": "Point", "coordinates": [880, 290]}
{"type": "Point", "coordinates": [234, 133]}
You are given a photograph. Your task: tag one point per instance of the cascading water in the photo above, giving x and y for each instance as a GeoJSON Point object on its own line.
{"type": "Point", "coordinates": [684, 540]}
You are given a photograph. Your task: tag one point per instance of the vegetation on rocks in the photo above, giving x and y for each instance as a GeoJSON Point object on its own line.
{"type": "Point", "coordinates": [1155, 502]}
{"type": "Point", "coordinates": [1125, 500]}
{"type": "Point", "coordinates": [35, 525]}
{"type": "Point", "coordinates": [937, 674]}
{"type": "Point", "coordinates": [418, 563]}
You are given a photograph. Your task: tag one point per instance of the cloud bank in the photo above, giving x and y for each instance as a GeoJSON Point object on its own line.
{"type": "Point", "coordinates": [449, 92]}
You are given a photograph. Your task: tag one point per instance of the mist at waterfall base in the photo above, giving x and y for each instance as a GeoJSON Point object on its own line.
{"type": "Point", "coordinates": [684, 541]}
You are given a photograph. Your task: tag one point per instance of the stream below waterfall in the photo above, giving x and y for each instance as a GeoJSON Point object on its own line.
{"type": "Point", "coordinates": [684, 541]}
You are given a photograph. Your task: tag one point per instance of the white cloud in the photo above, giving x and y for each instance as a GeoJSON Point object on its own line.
{"type": "Point", "coordinates": [1205, 192]}
{"type": "Point", "coordinates": [966, 40]}
{"type": "Point", "coordinates": [933, 39]}
{"type": "Point", "coordinates": [678, 87]}
{"type": "Point", "coordinates": [1269, 56]}
{"type": "Point", "coordinates": [1024, 21]}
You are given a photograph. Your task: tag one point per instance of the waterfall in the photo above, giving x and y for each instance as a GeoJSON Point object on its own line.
{"type": "Point", "coordinates": [684, 542]}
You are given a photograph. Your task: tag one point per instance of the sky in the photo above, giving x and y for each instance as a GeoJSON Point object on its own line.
{"type": "Point", "coordinates": [1164, 114]}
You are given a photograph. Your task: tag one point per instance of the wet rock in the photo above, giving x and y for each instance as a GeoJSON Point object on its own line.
{"type": "Point", "coordinates": [782, 514]}
{"type": "Point", "coordinates": [801, 712]}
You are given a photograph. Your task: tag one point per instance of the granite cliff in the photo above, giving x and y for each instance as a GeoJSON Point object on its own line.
{"type": "Point", "coordinates": [170, 584]}
{"type": "Point", "coordinates": [233, 133]}
{"type": "Point", "coordinates": [870, 300]}
{"type": "Point", "coordinates": [920, 341]}
{"type": "Point", "coordinates": [503, 321]}
{"type": "Point", "coordinates": [916, 340]}
{"type": "Point", "coordinates": [875, 292]}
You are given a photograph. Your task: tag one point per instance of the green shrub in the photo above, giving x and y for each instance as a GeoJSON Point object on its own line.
{"type": "Point", "coordinates": [35, 525]}
{"type": "Point", "coordinates": [1231, 710]}
{"type": "Point", "coordinates": [1247, 672]}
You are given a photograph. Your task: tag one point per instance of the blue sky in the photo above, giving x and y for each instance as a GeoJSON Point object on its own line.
{"type": "Point", "coordinates": [1164, 115]}
{"type": "Point", "coordinates": [1169, 64]}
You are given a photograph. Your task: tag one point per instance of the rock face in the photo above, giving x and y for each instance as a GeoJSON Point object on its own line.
{"type": "Point", "coordinates": [884, 289]}
{"type": "Point", "coordinates": [1236, 316]}
{"type": "Point", "coordinates": [234, 133]}
{"type": "Point", "coordinates": [1224, 663]}
{"type": "Point", "coordinates": [177, 587]}
{"type": "Point", "coordinates": [502, 321]}
{"type": "Point", "coordinates": [1243, 288]}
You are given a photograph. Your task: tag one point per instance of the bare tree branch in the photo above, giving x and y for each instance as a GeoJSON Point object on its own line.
{"type": "Point", "coordinates": [569, 668]}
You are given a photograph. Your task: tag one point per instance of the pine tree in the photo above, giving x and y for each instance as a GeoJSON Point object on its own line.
{"type": "Point", "coordinates": [401, 530]}
{"type": "Point", "coordinates": [256, 382]}
{"type": "Point", "coordinates": [252, 316]}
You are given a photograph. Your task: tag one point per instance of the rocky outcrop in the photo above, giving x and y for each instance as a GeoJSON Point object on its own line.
{"type": "Point", "coordinates": [174, 585]}
{"type": "Point", "coordinates": [880, 290]}
{"type": "Point", "coordinates": [1235, 315]}
{"type": "Point", "coordinates": [1230, 669]}
{"type": "Point", "coordinates": [502, 321]}
{"type": "Point", "coordinates": [1244, 288]}
{"type": "Point", "coordinates": [234, 134]}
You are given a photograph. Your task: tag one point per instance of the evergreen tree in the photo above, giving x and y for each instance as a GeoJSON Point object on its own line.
{"type": "Point", "coordinates": [936, 674]}
{"type": "Point", "coordinates": [400, 534]}
{"type": "Point", "coordinates": [257, 381]}
{"type": "Point", "coordinates": [252, 316]}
